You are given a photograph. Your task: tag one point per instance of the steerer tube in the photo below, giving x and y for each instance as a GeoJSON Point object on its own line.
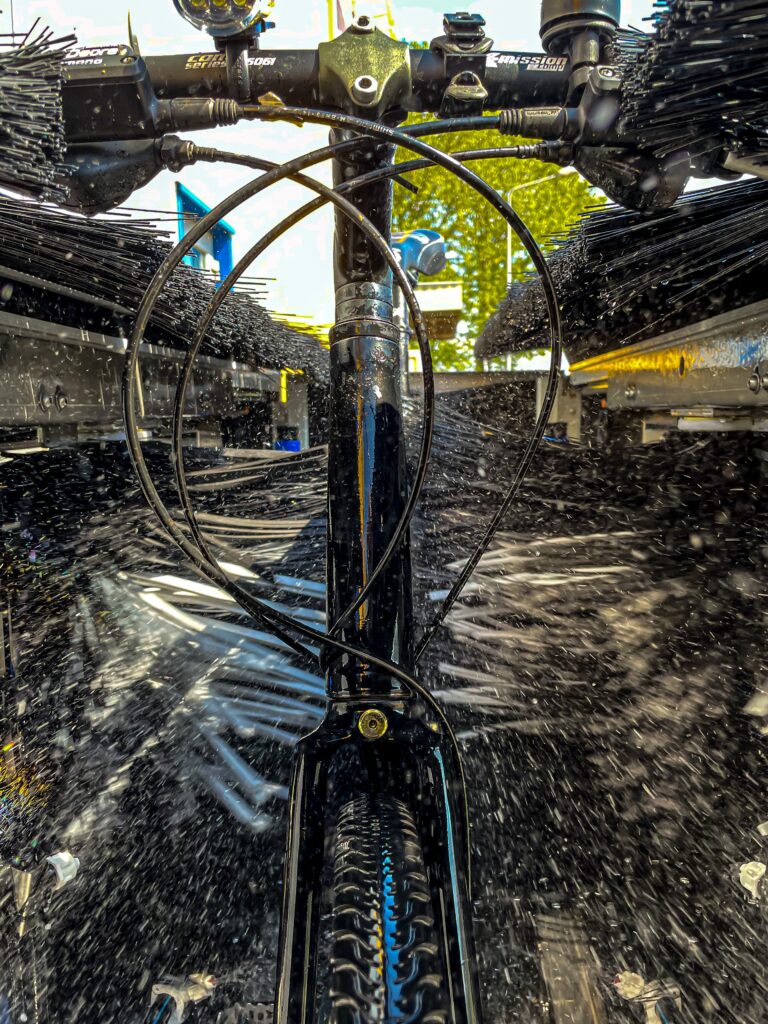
{"type": "Point", "coordinates": [367, 465]}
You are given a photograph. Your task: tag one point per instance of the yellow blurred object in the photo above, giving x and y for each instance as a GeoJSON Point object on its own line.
{"type": "Point", "coordinates": [304, 325]}
{"type": "Point", "coordinates": [284, 375]}
{"type": "Point", "coordinates": [331, 19]}
{"type": "Point", "coordinates": [22, 786]}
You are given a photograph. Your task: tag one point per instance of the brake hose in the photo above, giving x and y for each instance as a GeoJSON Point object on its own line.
{"type": "Point", "coordinates": [436, 157]}
{"type": "Point", "coordinates": [203, 560]}
{"type": "Point", "coordinates": [214, 155]}
{"type": "Point", "coordinates": [445, 161]}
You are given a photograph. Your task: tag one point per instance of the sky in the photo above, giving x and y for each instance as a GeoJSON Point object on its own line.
{"type": "Point", "coordinates": [301, 262]}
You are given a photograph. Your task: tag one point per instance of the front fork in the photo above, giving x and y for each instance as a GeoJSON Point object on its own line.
{"type": "Point", "coordinates": [412, 757]}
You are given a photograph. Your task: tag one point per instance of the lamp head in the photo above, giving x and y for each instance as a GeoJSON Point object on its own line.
{"type": "Point", "coordinates": [223, 18]}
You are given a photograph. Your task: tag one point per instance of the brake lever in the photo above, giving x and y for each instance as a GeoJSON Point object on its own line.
{"type": "Point", "coordinates": [590, 140]}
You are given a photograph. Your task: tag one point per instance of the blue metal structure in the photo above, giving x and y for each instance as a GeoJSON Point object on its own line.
{"type": "Point", "coordinates": [217, 243]}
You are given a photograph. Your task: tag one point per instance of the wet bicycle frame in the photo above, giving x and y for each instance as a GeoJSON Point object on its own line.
{"type": "Point", "coordinates": [380, 736]}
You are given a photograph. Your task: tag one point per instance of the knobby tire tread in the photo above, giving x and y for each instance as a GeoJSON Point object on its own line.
{"type": "Point", "coordinates": [385, 960]}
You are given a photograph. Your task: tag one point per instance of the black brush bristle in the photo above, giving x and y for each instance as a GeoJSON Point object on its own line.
{"type": "Point", "coordinates": [624, 276]}
{"type": "Point", "coordinates": [701, 81]}
{"type": "Point", "coordinates": [32, 136]}
{"type": "Point", "coordinates": [629, 48]}
{"type": "Point", "coordinates": [111, 261]}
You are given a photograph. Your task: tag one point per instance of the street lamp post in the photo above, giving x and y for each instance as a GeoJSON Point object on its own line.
{"type": "Point", "coordinates": [517, 188]}
{"type": "Point", "coordinates": [507, 195]}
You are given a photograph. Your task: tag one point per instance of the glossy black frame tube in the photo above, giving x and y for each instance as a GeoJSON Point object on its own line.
{"type": "Point", "coordinates": [367, 474]}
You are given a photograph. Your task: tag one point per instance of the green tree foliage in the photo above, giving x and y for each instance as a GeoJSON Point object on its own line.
{"type": "Point", "coordinates": [478, 235]}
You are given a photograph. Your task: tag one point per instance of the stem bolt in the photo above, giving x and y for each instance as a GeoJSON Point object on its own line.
{"type": "Point", "coordinates": [364, 90]}
{"type": "Point", "coordinates": [373, 724]}
{"type": "Point", "coordinates": [363, 25]}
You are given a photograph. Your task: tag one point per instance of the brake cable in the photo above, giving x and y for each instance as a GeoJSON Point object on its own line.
{"type": "Point", "coordinates": [448, 162]}
{"type": "Point", "coordinates": [204, 560]}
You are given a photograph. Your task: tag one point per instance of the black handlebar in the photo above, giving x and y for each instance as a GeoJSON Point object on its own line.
{"type": "Point", "coordinates": [113, 94]}
{"type": "Point", "coordinates": [119, 107]}
{"type": "Point", "coordinates": [511, 78]}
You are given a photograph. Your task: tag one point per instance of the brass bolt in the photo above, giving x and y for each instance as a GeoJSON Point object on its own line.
{"type": "Point", "coordinates": [373, 724]}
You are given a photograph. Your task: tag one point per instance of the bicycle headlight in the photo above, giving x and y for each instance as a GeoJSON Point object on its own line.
{"type": "Point", "coordinates": [222, 18]}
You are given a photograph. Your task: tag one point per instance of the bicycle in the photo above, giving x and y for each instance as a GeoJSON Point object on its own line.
{"type": "Point", "coordinates": [377, 923]}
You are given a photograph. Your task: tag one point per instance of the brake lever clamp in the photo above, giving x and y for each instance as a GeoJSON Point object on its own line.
{"type": "Point", "coordinates": [591, 122]}
{"type": "Point", "coordinates": [600, 104]}
{"type": "Point", "coordinates": [580, 30]}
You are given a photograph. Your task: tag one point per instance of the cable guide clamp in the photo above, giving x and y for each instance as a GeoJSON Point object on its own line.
{"type": "Point", "coordinates": [464, 47]}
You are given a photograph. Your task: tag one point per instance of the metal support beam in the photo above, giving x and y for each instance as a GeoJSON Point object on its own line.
{"type": "Point", "coordinates": [53, 376]}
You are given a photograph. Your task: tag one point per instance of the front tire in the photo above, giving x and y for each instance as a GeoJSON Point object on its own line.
{"type": "Point", "coordinates": [385, 965]}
